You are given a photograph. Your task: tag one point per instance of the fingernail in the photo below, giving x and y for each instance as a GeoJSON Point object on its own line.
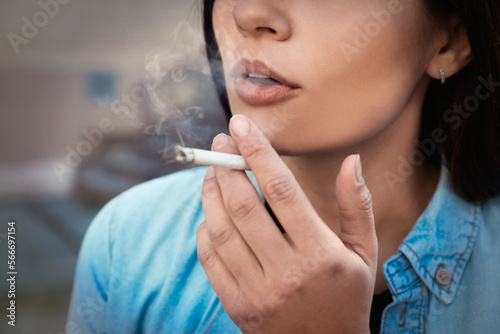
{"type": "Point", "coordinates": [359, 170]}
{"type": "Point", "coordinates": [220, 141]}
{"type": "Point", "coordinates": [210, 173]}
{"type": "Point", "coordinates": [240, 126]}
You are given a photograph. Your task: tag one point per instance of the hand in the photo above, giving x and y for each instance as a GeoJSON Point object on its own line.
{"type": "Point", "coordinates": [309, 280]}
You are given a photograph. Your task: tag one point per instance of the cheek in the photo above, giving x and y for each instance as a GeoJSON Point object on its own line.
{"type": "Point", "coordinates": [355, 98]}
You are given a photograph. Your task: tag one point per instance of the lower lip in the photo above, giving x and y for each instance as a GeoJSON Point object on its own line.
{"type": "Point", "coordinates": [258, 95]}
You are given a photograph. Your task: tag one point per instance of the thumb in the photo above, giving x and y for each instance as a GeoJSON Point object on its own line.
{"type": "Point", "coordinates": [357, 225]}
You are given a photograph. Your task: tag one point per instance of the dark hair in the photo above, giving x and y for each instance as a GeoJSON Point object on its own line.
{"type": "Point", "coordinates": [471, 150]}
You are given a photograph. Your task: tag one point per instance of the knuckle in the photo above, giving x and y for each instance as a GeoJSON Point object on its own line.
{"type": "Point", "coordinates": [281, 189]}
{"type": "Point", "coordinates": [365, 204]}
{"type": "Point", "coordinates": [291, 290]}
{"type": "Point", "coordinates": [253, 149]}
{"type": "Point", "coordinates": [201, 228]}
{"type": "Point", "coordinates": [221, 235]}
{"type": "Point", "coordinates": [292, 282]}
{"type": "Point", "coordinates": [223, 177]}
{"type": "Point", "coordinates": [359, 207]}
{"type": "Point", "coordinates": [331, 270]}
{"type": "Point", "coordinates": [241, 207]}
{"type": "Point", "coordinates": [209, 191]}
{"type": "Point", "coordinates": [208, 258]}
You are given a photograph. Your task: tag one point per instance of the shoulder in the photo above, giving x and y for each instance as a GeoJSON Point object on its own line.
{"type": "Point", "coordinates": [166, 194]}
{"type": "Point", "coordinates": [491, 212]}
{"type": "Point", "coordinates": [157, 208]}
{"type": "Point", "coordinates": [148, 209]}
{"type": "Point", "coordinates": [481, 269]}
{"type": "Point", "coordinates": [164, 209]}
{"type": "Point", "coordinates": [489, 233]}
{"type": "Point", "coordinates": [487, 247]}
{"type": "Point", "coordinates": [478, 289]}
{"type": "Point", "coordinates": [170, 189]}
{"type": "Point", "coordinates": [139, 254]}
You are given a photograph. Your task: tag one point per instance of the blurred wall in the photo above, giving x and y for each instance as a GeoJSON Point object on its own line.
{"type": "Point", "coordinates": [48, 50]}
{"type": "Point", "coordinates": [69, 68]}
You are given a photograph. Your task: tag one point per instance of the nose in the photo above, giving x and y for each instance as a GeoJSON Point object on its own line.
{"type": "Point", "coordinates": [261, 18]}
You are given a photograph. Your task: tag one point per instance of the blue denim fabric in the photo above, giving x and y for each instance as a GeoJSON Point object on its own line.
{"type": "Point", "coordinates": [138, 271]}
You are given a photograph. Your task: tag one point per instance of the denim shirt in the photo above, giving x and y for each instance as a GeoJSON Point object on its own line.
{"type": "Point", "coordinates": [138, 271]}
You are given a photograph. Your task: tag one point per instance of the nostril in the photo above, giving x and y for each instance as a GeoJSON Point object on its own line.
{"type": "Point", "coordinates": [271, 30]}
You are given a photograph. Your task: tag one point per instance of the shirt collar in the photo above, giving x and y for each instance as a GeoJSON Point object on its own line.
{"type": "Point", "coordinates": [441, 242]}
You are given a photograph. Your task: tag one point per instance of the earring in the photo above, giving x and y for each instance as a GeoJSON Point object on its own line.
{"type": "Point", "coordinates": [443, 75]}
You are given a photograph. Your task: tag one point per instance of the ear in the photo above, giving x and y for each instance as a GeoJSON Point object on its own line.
{"type": "Point", "coordinates": [453, 50]}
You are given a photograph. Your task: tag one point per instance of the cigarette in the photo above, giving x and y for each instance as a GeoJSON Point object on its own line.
{"type": "Point", "coordinates": [210, 158]}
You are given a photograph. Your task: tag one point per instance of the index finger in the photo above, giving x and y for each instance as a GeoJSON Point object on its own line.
{"type": "Point", "coordinates": [278, 184]}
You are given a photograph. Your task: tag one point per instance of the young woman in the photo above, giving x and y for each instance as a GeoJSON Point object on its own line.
{"type": "Point", "coordinates": [311, 241]}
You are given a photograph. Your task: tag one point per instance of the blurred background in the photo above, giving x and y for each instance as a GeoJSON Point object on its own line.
{"type": "Point", "coordinates": [94, 95]}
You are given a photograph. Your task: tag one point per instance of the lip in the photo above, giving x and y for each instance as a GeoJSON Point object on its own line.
{"type": "Point", "coordinates": [258, 95]}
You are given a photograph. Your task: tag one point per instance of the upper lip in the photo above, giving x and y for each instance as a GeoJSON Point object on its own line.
{"type": "Point", "coordinates": [245, 66]}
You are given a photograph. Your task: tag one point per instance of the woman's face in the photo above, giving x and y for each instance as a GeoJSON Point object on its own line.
{"type": "Point", "coordinates": [351, 69]}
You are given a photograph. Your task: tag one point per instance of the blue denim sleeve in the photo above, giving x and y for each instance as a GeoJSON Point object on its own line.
{"type": "Point", "coordinates": [88, 300]}
{"type": "Point", "coordinates": [138, 271]}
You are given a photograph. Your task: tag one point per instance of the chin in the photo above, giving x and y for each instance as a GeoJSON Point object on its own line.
{"type": "Point", "coordinates": [292, 147]}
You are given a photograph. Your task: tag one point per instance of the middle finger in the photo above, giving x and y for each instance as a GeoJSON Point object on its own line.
{"type": "Point", "coordinates": [249, 214]}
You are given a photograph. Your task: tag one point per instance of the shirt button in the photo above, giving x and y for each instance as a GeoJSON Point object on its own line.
{"type": "Point", "coordinates": [443, 276]}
